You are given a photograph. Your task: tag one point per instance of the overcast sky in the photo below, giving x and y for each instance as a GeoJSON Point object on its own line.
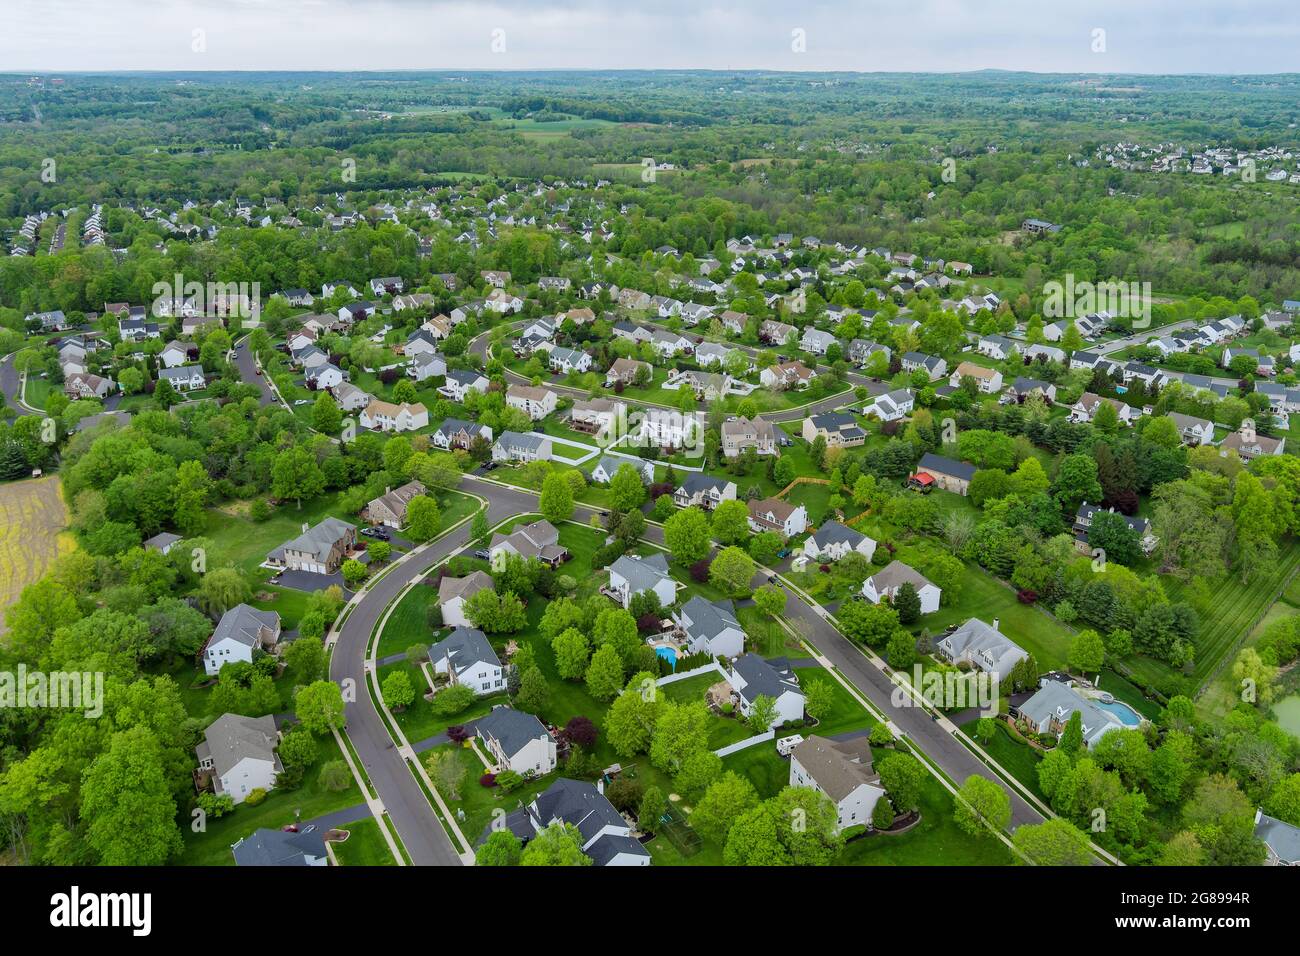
{"type": "Point", "coordinates": [1144, 36]}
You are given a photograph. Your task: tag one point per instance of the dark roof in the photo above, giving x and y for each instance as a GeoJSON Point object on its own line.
{"type": "Point", "coordinates": [278, 848]}
{"type": "Point", "coordinates": [512, 729]}
{"type": "Point", "coordinates": [946, 466]}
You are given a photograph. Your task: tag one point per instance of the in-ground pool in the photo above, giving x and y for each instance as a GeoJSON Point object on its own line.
{"type": "Point", "coordinates": [1126, 714]}
{"type": "Point", "coordinates": [667, 653]}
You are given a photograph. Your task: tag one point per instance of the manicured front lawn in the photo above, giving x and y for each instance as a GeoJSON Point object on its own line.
{"type": "Point", "coordinates": [408, 622]}
{"type": "Point", "coordinates": [365, 846]}
{"type": "Point", "coordinates": [1016, 757]}
{"type": "Point", "coordinates": [846, 713]}
{"type": "Point", "coordinates": [281, 807]}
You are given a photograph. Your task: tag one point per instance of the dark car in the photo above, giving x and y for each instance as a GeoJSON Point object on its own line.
{"type": "Point", "coordinates": [376, 532]}
{"type": "Point", "coordinates": [482, 553]}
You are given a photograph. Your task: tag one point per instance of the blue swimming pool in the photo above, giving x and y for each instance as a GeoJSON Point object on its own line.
{"type": "Point", "coordinates": [1126, 714]}
{"type": "Point", "coordinates": [668, 654]}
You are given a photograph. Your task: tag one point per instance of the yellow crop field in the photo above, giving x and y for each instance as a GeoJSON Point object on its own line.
{"type": "Point", "coordinates": [32, 522]}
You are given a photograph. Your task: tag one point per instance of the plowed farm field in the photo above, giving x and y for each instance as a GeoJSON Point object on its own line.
{"type": "Point", "coordinates": [32, 522]}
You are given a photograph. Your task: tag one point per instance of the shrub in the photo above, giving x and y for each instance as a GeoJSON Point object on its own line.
{"type": "Point", "coordinates": [457, 733]}
{"type": "Point", "coordinates": [508, 780]}
{"type": "Point", "coordinates": [452, 700]}
{"type": "Point", "coordinates": [1026, 597]}
{"type": "Point", "coordinates": [335, 775]}
{"type": "Point", "coordinates": [700, 571]}
{"type": "Point", "coordinates": [882, 816]}
{"type": "Point", "coordinates": [625, 793]}
{"type": "Point", "coordinates": [255, 796]}
{"type": "Point", "coordinates": [488, 779]}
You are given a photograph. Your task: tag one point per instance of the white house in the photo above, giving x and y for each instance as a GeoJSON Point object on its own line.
{"type": "Point", "coordinates": [630, 575]}
{"type": "Point", "coordinates": [841, 770]}
{"type": "Point", "coordinates": [892, 406]}
{"type": "Point", "coordinates": [609, 465]}
{"type": "Point", "coordinates": [467, 659]}
{"type": "Point", "coordinates": [535, 402]}
{"type": "Point", "coordinates": [241, 630]}
{"type": "Point", "coordinates": [186, 378]}
{"type": "Point", "coordinates": [704, 491]}
{"type": "Point", "coordinates": [987, 380]}
{"type": "Point", "coordinates": [886, 582]}
{"type": "Point", "coordinates": [516, 741]}
{"type": "Point", "coordinates": [834, 540]}
{"type": "Point", "coordinates": [388, 417]}
{"type": "Point", "coordinates": [454, 592]}
{"type": "Point", "coordinates": [983, 646]}
{"type": "Point", "coordinates": [710, 627]}
{"type": "Point", "coordinates": [569, 360]}
{"type": "Point", "coordinates": [519, 446]}
{"type": "Point", "coordinates": [752, 677]}
{"type": "Point", "coordinates": [773, 514]}
{"type": "Point", "coordinates": [240, 754]}
{"type": "Point", "coordinates": [460, 382]}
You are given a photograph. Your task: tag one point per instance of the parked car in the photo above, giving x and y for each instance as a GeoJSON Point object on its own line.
{"type": "Point", "coordinates": [376, 532]}
{"type": "Point", "coordinates": [301, 401]}
{"type": "Point", "coordinates": [482, 553]}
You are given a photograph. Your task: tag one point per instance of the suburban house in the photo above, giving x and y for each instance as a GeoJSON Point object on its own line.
{"type": "Point", "coordinates": [861, 351]}
{"type": "Point", "coordinates": [752, 677]}
{"type": "Point", "coordinates": [625, 371]}
{"type": "Point", "coordinates": [174, 354]}
{"type": "Point", "coordinates": [597, 415]}
{"type": "Point", "coordinates": [535, 402]}
{"type": "Point", "coordinates": [630, 575]}
{"type": "Point", "coordinates": [520, 446]}
{"type": "Point", "coordinates": [454, 592]}
{"type": "Point", "coordinates": [1023, 387]}
{"type": "Point", "coordinates": [704, 491]}
{"type": "Point", "coordinates": [186, 378]}
{"type": "Point", "coordinates": [266, 847]}
{"type": "Point", "coordinates": [996, 347]}
{"type": "Point", "coordinates": [1083, 521]}
{"type": "Point", "coordinates": [390, 507]}
{"type": "Point", "coordinates": [322, 377]}
{"type": "Point", "coordinates": [1193, 430]}
{"type": "Point", "coordinates": [320, 549]}
{"type": "Point", "coordinates": [498, 280]}
{"type": "Point", "coordinates": [240, 754]}
{"type": "Point", "coordinates": [816, 342]}
{"type": "Point", "coordinates": [1249, 444]}
{"type": "Point", "coordinates": [241, 631]}
{"type": "Point", "coordinates": [1281, 839]}
{"type": "Point", "coordinates": [710, 627]}
{"type": "Point", "coordinates": [498, 300]}
{"type": "Point", "coordinates": [427, 365]}
{"type": "Point", "coordinates": [840, 429]}
{"type": "Point", "coordinates": [892, 406]}
{"type": "Point", "coordinates": [567, 360]}
{"type": "Point", "coordinates": [776, 333]}
{"type": "Point", "coordinates": [841, 770]}
{"type": "Point", "coordinates": [739, 433]}
{"type": "Point", "coordinates": [387, 417]}
{"type": "Point", "coordinates": [987, 380]}
{"type": "Point", "coordinates": [461, 381]}
{"type": "Point", "coordinates": [786, 375]}
{"type": "Point", "coordinates": [933, 366]}
{"type": "Point", "coordinates": [1085, 409]}
{"type": "Point", "coordinates": [538, 540]}
{"type": "Point", "coordinates": [1050, 709]}
{"type": "Point", "coordinates": [606, 836]}
{"type": "Point", "coordinates": [458, 433]}
{"type": "Point", "coordinates": [982, 646]}
{"type": "Point", "coordinates": [834, 540]}
{"type": "Point", "coordinates": [85, 385]}
{"type": "Point", "coordinates": [707, 386]}
{"type": "Point", "coordinates": [609, 465]}
{"type": "Point", "coordinates": [936, 471]}
{"type": "Point", "coordinates": [516, 741]}
{"type": "Point", "coordinates": [773, 514]}
{"type": "Point", "coordinates": [884, 584]}
{"type": "Point", "coordinates": [467, 658]}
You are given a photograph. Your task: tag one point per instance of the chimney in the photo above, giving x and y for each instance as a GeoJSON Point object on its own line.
{"type": "Point", "coordinates": [996, 622]}
{"type": "Point", "coordinates": [305, 527]}
{"type": "Point", "coordinates": [600, 786]}
{"type": "Point", "coordinates": [388, 489]}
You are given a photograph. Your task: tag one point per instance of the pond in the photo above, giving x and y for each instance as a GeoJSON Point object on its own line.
{"type": "Point", "coordinates": [1287, 711]}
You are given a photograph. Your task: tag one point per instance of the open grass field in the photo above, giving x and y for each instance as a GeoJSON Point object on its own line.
{"type": "Point", "coordinates": [1229, 614]}
{"type": "Point", "coordinates": [32, 536]}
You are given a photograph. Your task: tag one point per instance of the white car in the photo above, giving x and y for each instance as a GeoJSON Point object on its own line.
{"type": "Point", "coordinates": [302, 401]}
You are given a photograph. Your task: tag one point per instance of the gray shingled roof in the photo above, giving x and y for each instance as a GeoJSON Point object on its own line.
{"type": "Point", "coordinates": [708, 619]}
{"type": "Point", "coordinates": [512, 729]}
{"type": "Point", "coordinates": [243, 624]}
{"type": "Point", "coordinates": [833, 532]}
{"type": "Point", "coordinates": [276, 848]}
{"type": "Point", "coordinates": [763, 677]}
{"type": "Point", "coordinates": [232, 738]}
{"type": "Point", "coordinates": [641, 574]}
{"type": "Point", "coordinates": [463, 648]}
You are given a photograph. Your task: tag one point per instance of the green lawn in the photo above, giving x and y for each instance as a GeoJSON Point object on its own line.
{"type": "Point", "coordinates": [984, 597]}
{"type": "Point", "coordinates": [1016, 757]}
{"type": "Point", "coordinates": [365, 846]}
{"type": "Point", "coordinates": [281, 807]}
{"type": "Point", "coordinates": [408, 622]}
{"type": "Point", "coordinates": [846, 713]}
{"type": "Point", "coordinates": [1227, 617]}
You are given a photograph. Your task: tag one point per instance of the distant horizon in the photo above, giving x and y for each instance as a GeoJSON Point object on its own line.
{"type": "Point", "coordinates": [17, 72]}
{"type": "Point", "coordinates": [1062, 37]}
